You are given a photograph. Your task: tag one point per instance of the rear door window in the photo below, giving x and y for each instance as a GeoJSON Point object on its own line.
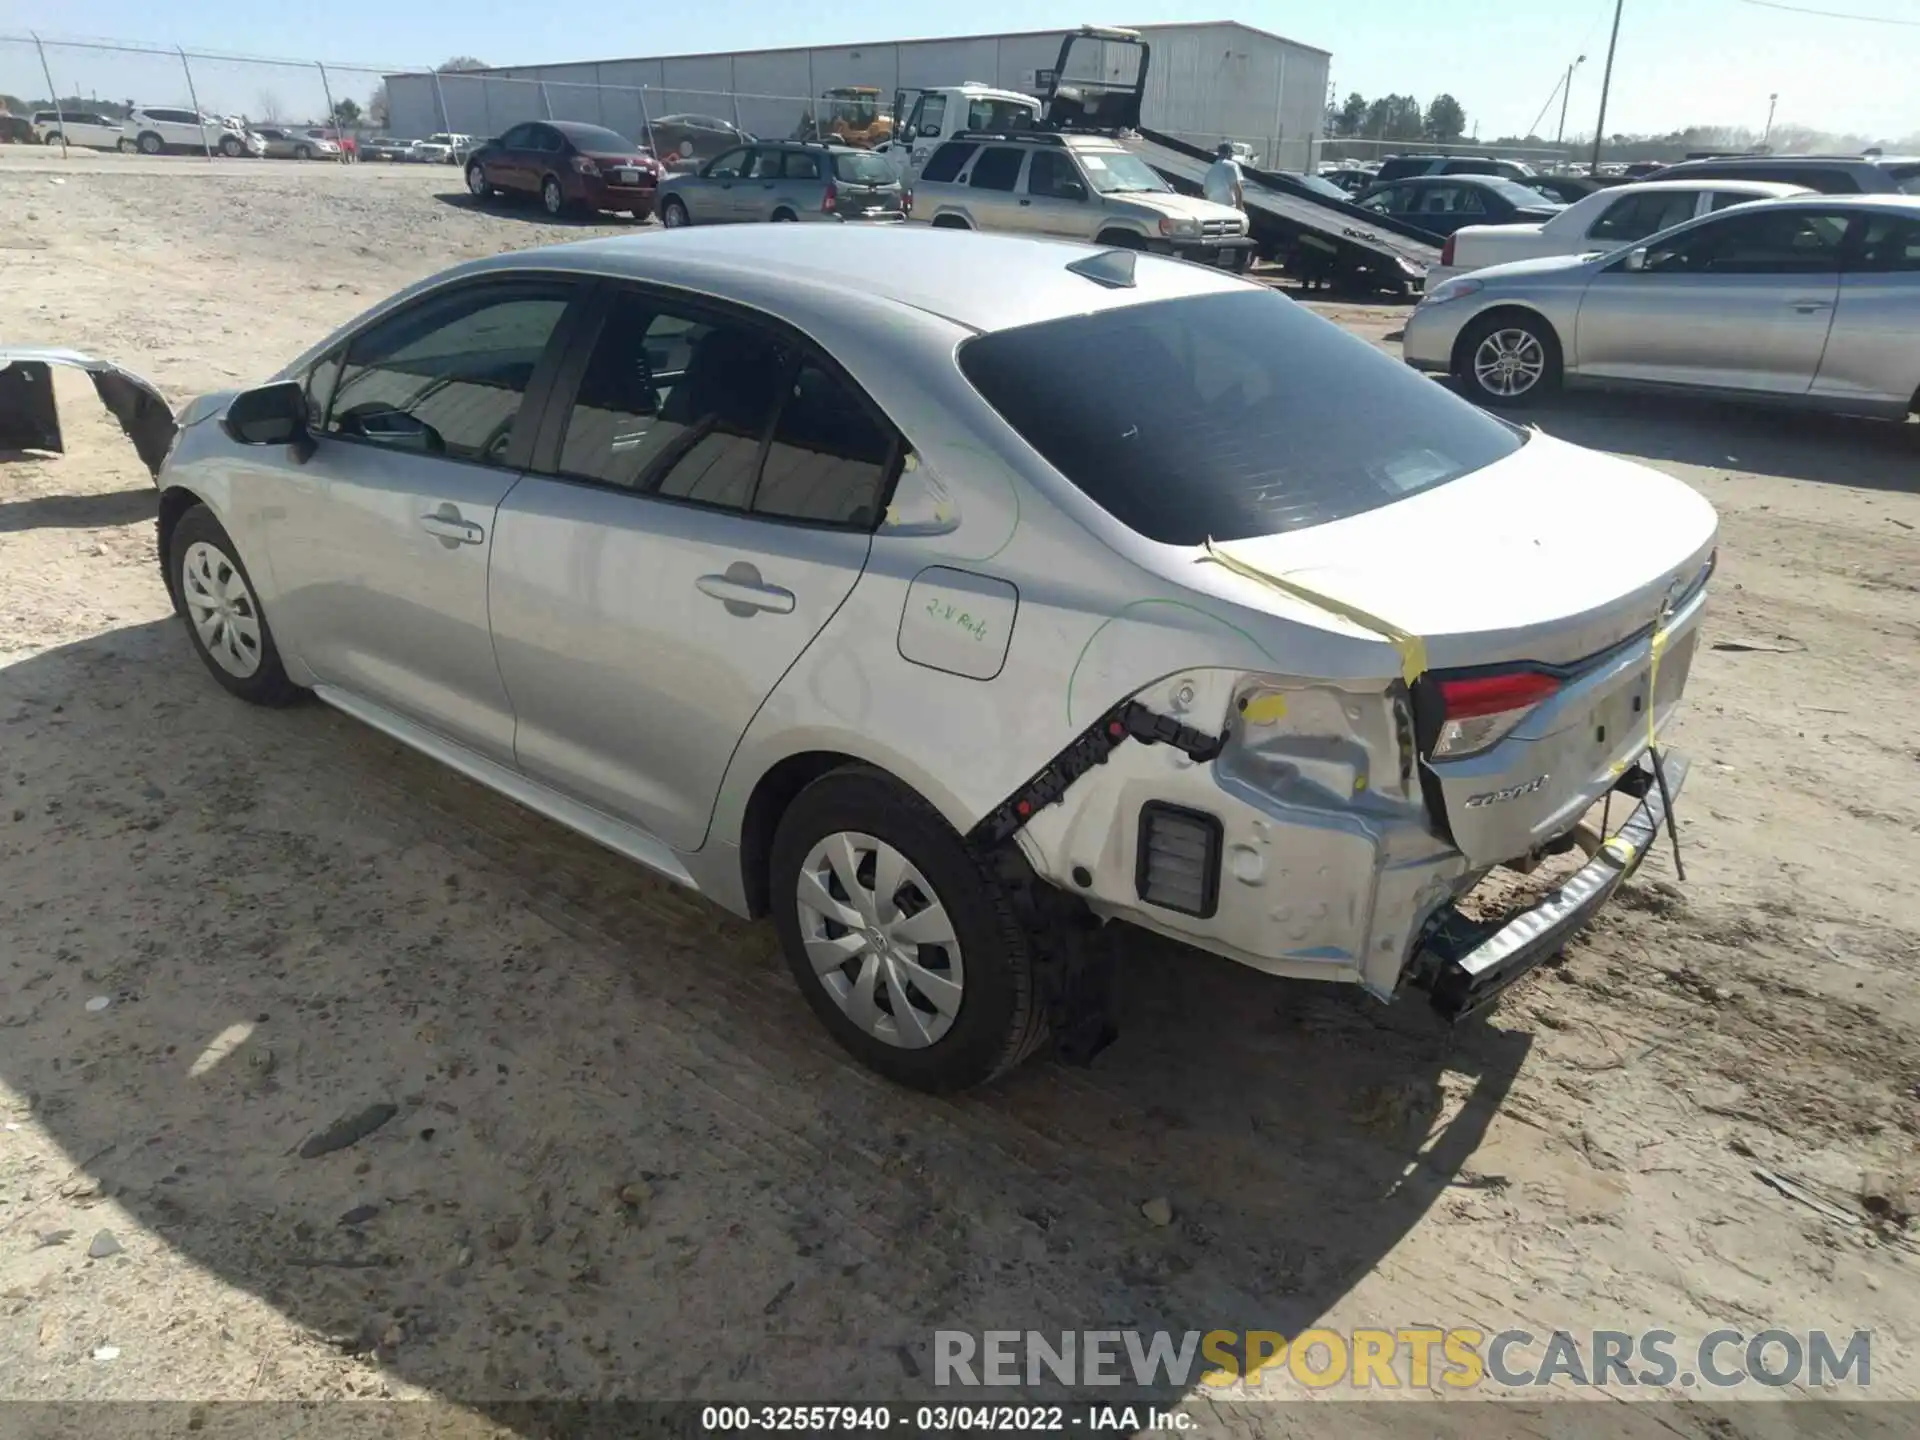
{"type": "Point", "coordinates": [1889, 243]}
{"type": "Point", "coordinates": [1634, 217]}
{"type": "Point", "coordinates": [767, 164]}
{"type": "Point", "coordinates": [829, 456]}
{"type": "Point", "coordinates": [1227, 416]}
{"type": "Point", "coordinates": [997, 168]}
{"type": "Point", "coordinates": [947, 162]}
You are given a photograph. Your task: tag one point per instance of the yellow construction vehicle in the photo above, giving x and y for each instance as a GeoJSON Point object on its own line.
{"type": "Point", "coordinates": [851, 115]}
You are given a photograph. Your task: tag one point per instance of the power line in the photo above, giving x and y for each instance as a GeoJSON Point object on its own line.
{"type": "Point", "coordinates": [1832, 14]}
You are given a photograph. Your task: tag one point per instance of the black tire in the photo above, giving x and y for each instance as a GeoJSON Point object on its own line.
{"type": "Point", "coordinates": [1121, 240]}
{"type": "Point", "coordinates": [785, 217]}
{"type": "Point", "coordinates": [1000, 1020]}
{"type": "Point", "coordinates": [268, 683]}
{"type": "Point", "coordinates": [53, 137]}
{"type": "Point", "coordinates": [674, 214]}
{"type": "Point", "coordinates": [150, 143]}
{"type": "Point", "coordinates": [950, 222]}
{"type": "Point", "coordinates": [1529, 339]}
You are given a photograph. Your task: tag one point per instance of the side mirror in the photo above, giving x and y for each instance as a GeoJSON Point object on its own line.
{"type": "Point", "coordinates": [1071, 190]}
{"type": "Point", "coordinates": [929, 132]}
{"type": "Point", "coordinates": [1637, 258]}
{"type": "Point", "coordinates": [269, 415]}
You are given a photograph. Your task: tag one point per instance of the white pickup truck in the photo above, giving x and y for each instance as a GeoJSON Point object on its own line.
{"type": "Point", "coordinates": [941, 111]}
{"type": "Point", "coordinates": [1608, 219]}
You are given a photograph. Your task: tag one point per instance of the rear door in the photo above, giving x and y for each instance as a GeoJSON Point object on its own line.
{"type": "Point", "coordinates": [1740, 302]}
{"type": "Point", "coordinates": [764, 189]}
{"type": "Point", "coordinates": [990, 182]}
{"type": "Point", "coordinates": [1871, 354]}
{"type": "Point", "coordinates": [384, 534]}
{"type": "Point", "coordinates": [706, 494]}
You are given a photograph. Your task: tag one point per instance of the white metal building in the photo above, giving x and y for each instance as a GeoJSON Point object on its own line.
{"type": "Point", "coordinates": [1205, 83]}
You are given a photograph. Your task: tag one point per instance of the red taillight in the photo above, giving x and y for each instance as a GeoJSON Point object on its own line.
{"type": "Point", "coordinates": [906, 202]}
{"type": "Point", "coordinates": [1482, 710]}
{"type": "Point", "coordinates": [1495, 694]}
{"type": "Point", "coordinates": [1446, 252]}
{"type": "Point", "coordinates": [830, 200]}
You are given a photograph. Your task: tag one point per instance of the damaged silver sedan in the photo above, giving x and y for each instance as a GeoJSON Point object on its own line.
{"type": "Point", "coordinates": [945, 596]}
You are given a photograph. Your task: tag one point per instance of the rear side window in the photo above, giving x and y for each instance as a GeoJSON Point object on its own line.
{"type": "Point", "coordinates": [1227, 416]}
{"type": "Point", "coordinates": [1635, 217]}
{"type": "Point", "coordinates": [948, 161]}
{"type": "Point", "coordinates": [997, 168]}
{"type": "Point", "coordinates": [801, 166]}
{"type": "Point", "coordinates": [1890, 243]}
{"type": "Point", "coordinates": [829, 455]}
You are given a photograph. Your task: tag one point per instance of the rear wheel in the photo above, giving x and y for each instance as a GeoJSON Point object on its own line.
{"type": "Point", "coordinates": [673, 213]}
{"type": "Point", "coordinates": [904, 944]}
{"type": "Point", "coordinates": [151, 144]}
{"type": "Point", "coordinates": [302, 152]}
{"type": "Point", "coordinates": [950, 222]}
{"type": "Point", "coordinates": [224, 618]}
{"type": "Point", "coordinates": [1508, 359]}
{"type": "Point", "coordinates": [784, 217]}
{"type": "Point", "coordinates": [53, 137]}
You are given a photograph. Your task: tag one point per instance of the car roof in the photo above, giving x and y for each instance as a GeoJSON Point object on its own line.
{"type": "Point", "coordinates": [981, 281]}
{"type": "Point", "coordinates": [1453, 180]}
{"type": "Point", "coordinates": [1851, 202]}
{"type": "Point", "coordinates": [1759, 188]}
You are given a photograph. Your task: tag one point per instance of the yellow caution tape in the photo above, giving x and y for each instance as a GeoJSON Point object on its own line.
{"type": "Point", "coordinates": [1265, 709]}
{"type": "Point", "coordinates": [1411, 649]}
{"type": "Point", "coordinates": [1657, 647]}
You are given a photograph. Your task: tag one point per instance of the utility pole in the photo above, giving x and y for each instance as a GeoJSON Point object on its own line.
{"type": "Point", "coordinates": [1767, 134]}
{"type": "Point", "coordinates": [1606, 84]}
{"type": "Point", "coordinates": [1566, 94]}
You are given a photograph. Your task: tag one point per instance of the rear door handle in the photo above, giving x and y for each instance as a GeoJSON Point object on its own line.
{"type": "Point", "coordinates": [452, 529]}
{"type": "Point", "coordinates": [1026, 202]}
{"type": "Point", "coordinates": [743, 592]}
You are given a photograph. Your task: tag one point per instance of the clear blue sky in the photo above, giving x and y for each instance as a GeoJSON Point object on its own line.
{"type": "Point", "coordinates": [1679, 62]}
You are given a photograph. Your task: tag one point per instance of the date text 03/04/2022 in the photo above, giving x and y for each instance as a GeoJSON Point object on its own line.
{"type": "Point", "coordinates": [921, 1419]}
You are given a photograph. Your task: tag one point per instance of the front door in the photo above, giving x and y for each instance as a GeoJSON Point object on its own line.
{"type": "Point", "coordinates": [509, 167]}
{"type": "Point", "coordinates": [710, 497]}
{"type": "Point", "coordinates": [1053, 199]}
{"type": "Point", "coordinates": [380, 551]}
{"type": "Point", "coordinates": [716, 198]}
{"type": "Point", "coordinates": [1742, 302]}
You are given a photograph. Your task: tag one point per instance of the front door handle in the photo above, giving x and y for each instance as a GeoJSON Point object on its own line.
{"type": "Point", "coordinates": [1026, 202]}
{"type": "Point", "coordinates": [450, 529]}
{"type": "Point", "coordinates": [744, 593]}
{"type": "Point", "coordinates": [1808, 307]}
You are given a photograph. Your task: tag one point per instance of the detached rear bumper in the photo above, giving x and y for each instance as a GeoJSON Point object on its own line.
{"type": "Point", "coordinates": [1466, 965]}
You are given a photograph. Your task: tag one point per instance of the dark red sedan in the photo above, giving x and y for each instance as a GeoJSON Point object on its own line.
{"type": "Point", "coordinates": [570, 165]}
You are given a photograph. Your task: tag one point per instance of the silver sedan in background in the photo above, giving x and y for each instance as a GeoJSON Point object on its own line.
{"type": "Point", "coordinates": [1811, 301]}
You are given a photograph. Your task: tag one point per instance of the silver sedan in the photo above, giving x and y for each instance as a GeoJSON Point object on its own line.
{"type": "Point", "coordinates": [1809, 301]}
{"type": "Point", "coordinates": [805, 569]}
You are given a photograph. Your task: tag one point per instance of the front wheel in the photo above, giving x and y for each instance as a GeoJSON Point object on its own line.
{"type": "Point", "coordinates": [53, 137]}
{"type": "Point", "coordinates": [231, 148]}
{"type": "Point", "coordinates": [673, 214]}
{"type": "Point", "coordinates": [552, 197]}
{"type": "Point", "coordinates": [151, 144]}
{"type": "Point", "coordinates": [477, 185]}
{"type": "Point", "coordinates": [1510, 359]}
{"type": "Point", "coordinates": [903, 942]}
{"type": "Point", "coordinates": [224, 618]}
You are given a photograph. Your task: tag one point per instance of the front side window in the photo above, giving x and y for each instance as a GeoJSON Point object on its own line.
{"type": "Point", "coordinates": [997, 168]}
{"type": "Point", "coordinates": [1051, 173]}
{"type": "Point", "coordinates": [447, 376]}
{"type": "Point", "coordinates": [1764, 242]}
{"type": "Point", "coordinates": [1227, 415]}
{"type": "Point", "coordinates": [934, 116]}
{"type": "Point", "coordinates": [674, 403]}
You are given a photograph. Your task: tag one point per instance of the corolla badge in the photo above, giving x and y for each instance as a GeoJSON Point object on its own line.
{"type": "Point", "coordinates": [1512, 792]}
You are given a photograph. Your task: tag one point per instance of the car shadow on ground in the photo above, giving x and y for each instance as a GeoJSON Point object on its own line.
{"type": "Point", "coordinates": [77, 512]}
{"type": "Point", "coordinates": [610, 1151]}
{"type": "Point", "coordinates": [1794, 445]}
{"type": "Point", "coordinates": [517, 207]}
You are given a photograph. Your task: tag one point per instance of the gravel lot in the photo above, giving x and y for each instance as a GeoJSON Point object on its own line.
{"type": "Point", "coordinates": [622, 1158]}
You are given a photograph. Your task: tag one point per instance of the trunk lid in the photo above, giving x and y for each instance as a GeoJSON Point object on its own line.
{"type": "Point", "coordinates": [1549, 569]}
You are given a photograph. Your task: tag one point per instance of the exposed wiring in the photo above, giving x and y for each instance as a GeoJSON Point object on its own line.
{"type": "Point", "coordinates": [1832, 14]}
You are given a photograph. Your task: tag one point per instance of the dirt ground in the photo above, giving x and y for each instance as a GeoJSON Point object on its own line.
{"type": "Point", "coordinates": [622, 1159]}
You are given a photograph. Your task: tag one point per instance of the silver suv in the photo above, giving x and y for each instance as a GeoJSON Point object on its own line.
{"type": "Point", "coordinates": [784, 180]}
{"type": "Point", "coordinates": [1074, 187]}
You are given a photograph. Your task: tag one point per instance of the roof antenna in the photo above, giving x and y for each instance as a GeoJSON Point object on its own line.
{"type": "Point", "coordinates": [1110, 268]}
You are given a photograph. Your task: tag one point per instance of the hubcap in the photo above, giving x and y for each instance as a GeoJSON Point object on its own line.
{"type": "Point", "coordinates": [1509, 362]}
{"type": "Point", "coordinates": [221, 609]}
{"type": "Point", "coordinates": [673, 217]}
{"type": "Point", "coordinates": [552, 198]}
{"type": "Point", "coordinates": [880, 940]}
{"type": "Point", "coordinates": [476, 182]}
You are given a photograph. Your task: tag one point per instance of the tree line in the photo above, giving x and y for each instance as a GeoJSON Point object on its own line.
{"type": "Point", "coordinates": [1397, 117]}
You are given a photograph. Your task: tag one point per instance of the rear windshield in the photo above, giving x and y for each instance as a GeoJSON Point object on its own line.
{"type": "Point", "coordinates": [596, 137]}
{"type": "Point", "coordinates": [1515, 193]}
{"type": "Point", "coordinates": [862, 169]}
{"type": "Point", "coordinates": [1227, 415]}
